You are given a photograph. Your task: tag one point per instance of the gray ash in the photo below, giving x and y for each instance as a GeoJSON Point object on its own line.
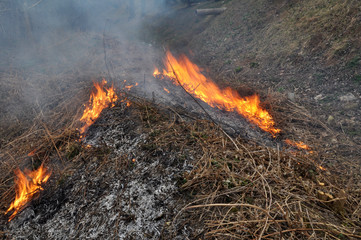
{"type": "Point", "coordinates": [102, 201]}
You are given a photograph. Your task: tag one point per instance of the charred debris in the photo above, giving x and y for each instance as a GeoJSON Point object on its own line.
{"type": "Point", "coordinates": [158, 162]}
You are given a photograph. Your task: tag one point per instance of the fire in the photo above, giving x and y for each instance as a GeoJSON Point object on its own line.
{"type": "Point", "coordinates": [101, 98]}
{"type": "Point", "coordinates": [27, 184]}
{"type": "Point", "coordinates": [299, 145]}
{"type": "Point", "coordinates": [322, 168]}
{"type": "Point", "coordinates": [302, 146]}
{"type": "Point", "coordinates": [165, 89]}
{"type": "Point", "coordinates": [156, 72]}
{"type": "Point", "coordinates": [190, 77]}
{"type": "Point", "coordinates": [130, 86]}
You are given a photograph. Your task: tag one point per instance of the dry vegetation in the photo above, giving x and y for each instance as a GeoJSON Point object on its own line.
{"type": "Point", "coordinates": [247, 191]}
{"type": "Point", "coordinates": [303, 48]}
{"type": "Point", "coordinates": [237, 189]}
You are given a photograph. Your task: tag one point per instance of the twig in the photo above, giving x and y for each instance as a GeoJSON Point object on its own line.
{"type": "Point", "coordinates": [303, 112]}
{"type": "Point", "coordinates": [229, 205]}
{"type": "Point", "coordinates": [180, 117]}
{"type": "Point", "coordinates": [308, 215]}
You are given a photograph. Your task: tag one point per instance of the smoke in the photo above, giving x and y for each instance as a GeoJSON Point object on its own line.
{"type": "Point", "coordinates": [43, 24]}
{"type": "Point", "coordinates": [50, 48]}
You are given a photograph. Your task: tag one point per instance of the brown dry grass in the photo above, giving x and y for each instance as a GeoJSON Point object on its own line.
{"type": "Point", "coordinates": [257, 192]}
{"type": "Point", "coordinates": [47, 132]}
{"type": "Point", "coordinates": [252, 192]}
{"type": "Point", "coordinates": [45, 138]}
{"type": "Point", "coordinates": [245, 191]}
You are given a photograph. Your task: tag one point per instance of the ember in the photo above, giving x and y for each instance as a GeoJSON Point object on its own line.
{"type": "Point", "coordinates": [165, 89]}
{"type": "Point", "coordinates": [101, 98]}
{"type": "Point", "coordinates": [300, 145]}
{"type": "Point", "coordinates": [27, 184]}
{"type": "Point", "coordinates": [322, 168]}
{"type": "Point", "coordinates": [129, 86]}
{"type": "Point", "coordinates": [184, 72]}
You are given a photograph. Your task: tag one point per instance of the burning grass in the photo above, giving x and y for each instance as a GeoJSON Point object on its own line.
{"type": "Point", "coordinates": [43, 141]}
{"type": "Point", "coordinates": [54, 139]}
{"type": "Point", "coordinates": [187, 74]}
{"type": "Point", "coordinates": [27, 185]}
{"type": "Point", "coordinates": [252, 192]}
{"type": "Point", "coordinates": [248, 191]}
{"type": "Point", "coordinates": [100, 99]}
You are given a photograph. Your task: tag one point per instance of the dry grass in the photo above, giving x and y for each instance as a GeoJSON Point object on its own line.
{"type": "Point", "coordinates": [252, 192]}
{"type": "Point", "coordinates": [44, 132]}
{"type": "Point", "coordinates": [44, 140]}
{"type": "Point", "coordinates": [245, 191]}
{"type": "Point", "coordinates": [258, 192]}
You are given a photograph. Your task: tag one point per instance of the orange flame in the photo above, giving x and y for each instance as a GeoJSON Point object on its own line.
{"type": "Point", "coordinates": [165, 89]}
{"type": "Point", "coordinates": [322, 168]}
{"type": "Point", "coordinates": [302, 146]}
{"type": "Point", "coordinates": [299, 145]}
{"type": "Point", "coordinates": [101, 98]}
{"type": "Point", "coordinates": [130, 86]}
{"type": "Point", "coordinates": [190, 77]}
{"type": "Point", "coordinates": [28, 183]}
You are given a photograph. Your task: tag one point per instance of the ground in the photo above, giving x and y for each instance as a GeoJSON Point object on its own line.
{"type": "Point", "coordinates": [306, 51]}
{"type": "Point", "coordinates": [302, 57]}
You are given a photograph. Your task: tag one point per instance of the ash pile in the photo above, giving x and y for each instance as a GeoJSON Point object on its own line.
{"type": "Point", "coordinates": [121, 186]}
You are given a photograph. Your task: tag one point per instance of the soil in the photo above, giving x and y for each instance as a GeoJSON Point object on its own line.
{"type": "Point", "coordinates": [305, 52]}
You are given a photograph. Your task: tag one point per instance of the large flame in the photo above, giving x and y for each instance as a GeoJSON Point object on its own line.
{"type": "Point", "coordinates": [102, 97]}
{"type": "Point", "coordinates": [27, 184]}
{"type": "Point", "coordinates": [190, 77]}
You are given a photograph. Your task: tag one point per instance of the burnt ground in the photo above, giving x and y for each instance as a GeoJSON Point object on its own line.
{"type": "Point", "coordinates": [302, 57]}
{"type": "Point", "coordinates": [123, 186]}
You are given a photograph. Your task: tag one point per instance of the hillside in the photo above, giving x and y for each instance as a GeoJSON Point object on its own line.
{"type": "Point", "coordinates": [308, 51]}
{"type": "Point", "coordinates": [117, 105]}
